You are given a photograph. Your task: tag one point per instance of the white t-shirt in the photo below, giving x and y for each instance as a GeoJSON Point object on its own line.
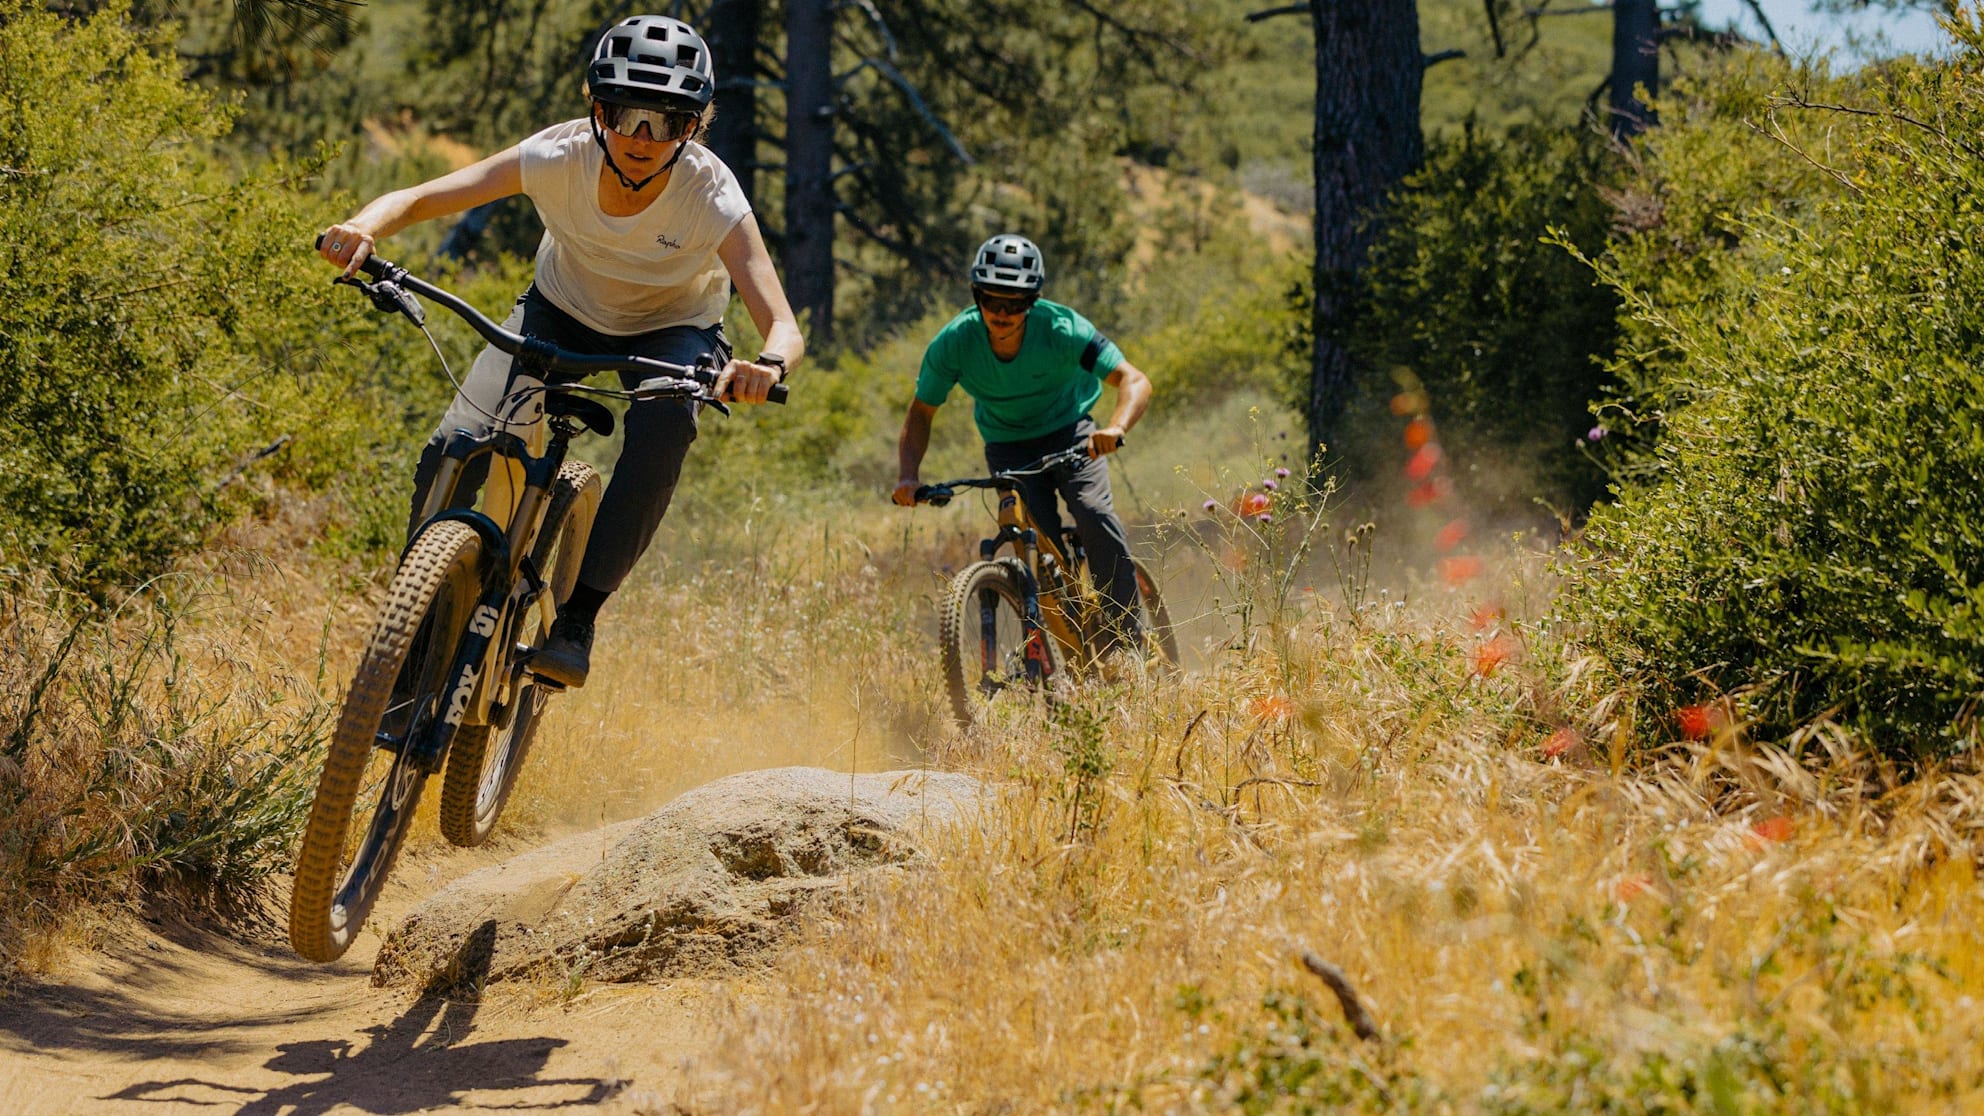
{"type": "Point", "coordinates": [629, 275]}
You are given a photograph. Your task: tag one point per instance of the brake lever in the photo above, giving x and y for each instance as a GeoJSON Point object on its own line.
{"type": "Point", "coordinates": [389, 297]}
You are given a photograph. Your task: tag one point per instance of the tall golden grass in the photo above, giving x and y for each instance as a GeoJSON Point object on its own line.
{"type": "Point", "coordinates": [1534, 922]}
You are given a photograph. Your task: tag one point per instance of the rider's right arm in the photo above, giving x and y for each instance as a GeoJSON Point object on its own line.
{"type": "Point", "coordinates": [915, 442]}
{"type": "Point", "coordinates": [498, 176]}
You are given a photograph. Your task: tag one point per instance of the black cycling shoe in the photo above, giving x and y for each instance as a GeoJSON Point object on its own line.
{"type": "Point", "coordinates": [566, 657]}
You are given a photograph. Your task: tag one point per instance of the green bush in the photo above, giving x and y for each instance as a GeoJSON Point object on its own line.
{"type": "Point", "coordinates": [162, 321]}
{"type": "Point", "coordinates": [1506, 331]}
{"type": "Point", "coordinates": [1802, 522]}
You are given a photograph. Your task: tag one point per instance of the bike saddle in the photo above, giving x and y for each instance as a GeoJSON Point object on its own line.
{"type": "Point", "coordinates": [593, 414]}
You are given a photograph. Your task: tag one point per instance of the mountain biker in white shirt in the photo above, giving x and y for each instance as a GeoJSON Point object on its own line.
{"type": "Point", "coordinates": [645, 232]}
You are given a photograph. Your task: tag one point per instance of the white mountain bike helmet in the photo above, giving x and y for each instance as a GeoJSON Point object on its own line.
{"type": "Point", "coordinates": [1008, 263]}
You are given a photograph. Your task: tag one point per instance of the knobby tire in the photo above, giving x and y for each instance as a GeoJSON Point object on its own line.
{"type": "Point", "coordinates": [395, 692]}
{"type": "Point", "coordinates": [960, 630]}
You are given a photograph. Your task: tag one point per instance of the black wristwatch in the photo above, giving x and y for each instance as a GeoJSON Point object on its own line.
{"type": "Point", "coordinates": [775, 360]}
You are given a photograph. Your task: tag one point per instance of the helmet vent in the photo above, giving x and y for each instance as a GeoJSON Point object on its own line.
{"type": "Point", "coordinates": [657, 32]}
{"type": "Point", "coordinates": [617, 47]}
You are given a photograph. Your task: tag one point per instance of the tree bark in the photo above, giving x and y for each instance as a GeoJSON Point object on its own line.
{"type": "Point", "coordinates": [809, 157]}
{"type": "Point", "coordinates": [1368, 76]}
{"type": "Point", "coordinates": [1635, 64]}
{"type": "Point", "coordinates": [733, 27]}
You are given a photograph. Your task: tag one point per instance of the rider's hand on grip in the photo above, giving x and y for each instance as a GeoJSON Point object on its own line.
{"type": "Point", "coordinates": [908, 493]}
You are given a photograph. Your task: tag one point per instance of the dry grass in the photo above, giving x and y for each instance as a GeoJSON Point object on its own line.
{"type": "Point", "coordinates": [171, 738]}
{"type": "Point", "coordinates": [1731, 927]}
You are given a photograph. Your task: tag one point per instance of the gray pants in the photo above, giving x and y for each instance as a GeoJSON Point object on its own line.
{"type": "Point", "coordinates": [1086, 489]}
{"type": "Point", "coordinates": [658, 431]}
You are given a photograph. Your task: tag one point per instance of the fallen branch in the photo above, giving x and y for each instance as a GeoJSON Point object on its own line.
{"type": "Point", "coordinates": [1290, 9]}
{"type": "Point", "coordinates": [1353, 1008]}
{"type": "Point", "coordinates": [265, 452]}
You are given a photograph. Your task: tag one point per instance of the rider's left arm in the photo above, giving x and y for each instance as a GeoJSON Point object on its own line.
{"type": "Point", "coordinates": [1132, 398]}
{"type": "Point", "coordinates": [744, 255]}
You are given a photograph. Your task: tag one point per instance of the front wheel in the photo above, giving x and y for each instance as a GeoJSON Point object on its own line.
{"type": "Point", "coordinates": [484, 760]}
{"type": "Point", "coordinates": [985, 640]}
{"type": "Point", "coordinates": [1158, 631]}
{"type": "Point", "coordinates": [371, 783]}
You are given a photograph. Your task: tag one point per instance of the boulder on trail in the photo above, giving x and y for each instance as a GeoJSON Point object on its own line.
{"type": "Point", "coordinates": [702, 886]}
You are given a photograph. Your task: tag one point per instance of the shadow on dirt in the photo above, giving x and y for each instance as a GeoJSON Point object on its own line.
{"type": "Point", "coordinates": [424, 1059]}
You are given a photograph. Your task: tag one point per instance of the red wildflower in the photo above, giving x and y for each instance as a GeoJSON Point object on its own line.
{"type": "Point", "coordinates": [1559, 742]}
{"type": "Point", "coordinates": [1770, 831]}
{"type": "Point", "coordinates": [1252, 504]}
{"type": "Point", "coordinates": [1460, 569]}
{"type": "Point", "coordinates": [1451, 535]}
{"type": "Point", "coordinates": [1696, 721]}
{"type": "Point", "coordinates": [1490, 656]}
{"type": "Point", "coordinates": [1274, 707]}
{"type": "Point", "coordinates": [1422, 463]}
{"type": "Point", "coordinates": [1631, 888]}
{"type": "Point", "coordinates": [1418, 432]}
{"type": "Point", "coordinates": [1423, 494]}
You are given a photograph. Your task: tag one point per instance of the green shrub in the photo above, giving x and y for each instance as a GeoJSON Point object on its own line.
{"type": "Point", "coordinates": [1803, 520]}
{"type": "Point", "coordinates": [1506, 331]}
{"type": "Point", "coordinates": [163, 321]}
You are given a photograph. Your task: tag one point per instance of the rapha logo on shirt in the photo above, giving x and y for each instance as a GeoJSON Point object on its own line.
{"type": "Point", "coordinates": [662, 239]}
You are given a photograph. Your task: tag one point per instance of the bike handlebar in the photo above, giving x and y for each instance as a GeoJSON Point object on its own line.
{"type": "Point", "coordinates": [937, 495]}
{"type": "Point", "coordinates": [397, 280]}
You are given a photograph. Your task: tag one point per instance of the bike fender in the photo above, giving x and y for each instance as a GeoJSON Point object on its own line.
{"type": "Point", "coordinates": [495, 543]}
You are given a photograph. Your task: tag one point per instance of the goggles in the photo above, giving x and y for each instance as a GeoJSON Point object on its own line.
{"type": "Point", "coordinates": [1003, 304]}
{"type": "Point", "coordinates": [663, 124]}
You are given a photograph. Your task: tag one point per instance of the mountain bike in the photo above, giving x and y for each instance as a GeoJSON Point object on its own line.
{"type": "Point", "coordinates": [445, 681]}
{"type": "Point", "coordinates": [1017, 622]}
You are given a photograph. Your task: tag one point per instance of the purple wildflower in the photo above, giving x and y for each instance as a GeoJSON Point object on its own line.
{"type": "Point", "coordinates": [1282, 473]}
{"type": "Point", "coordinates": [1595, 433]}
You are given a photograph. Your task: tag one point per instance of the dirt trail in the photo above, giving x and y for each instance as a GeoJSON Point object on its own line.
{"type": "Point", "coordinates": [167, 1016]}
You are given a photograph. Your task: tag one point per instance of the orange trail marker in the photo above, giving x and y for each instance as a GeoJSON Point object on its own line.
{"type": "Point", "coordinates": [1451, 535]}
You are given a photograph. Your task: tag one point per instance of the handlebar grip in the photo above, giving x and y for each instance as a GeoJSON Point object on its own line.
{"type": "Point", "coordinates": [373, 265]}
{"type": "Point", "coordinates": [778, 393]}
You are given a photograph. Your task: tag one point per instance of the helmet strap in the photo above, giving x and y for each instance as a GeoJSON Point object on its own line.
{"type": "Point", "coordinates": [599, 137]}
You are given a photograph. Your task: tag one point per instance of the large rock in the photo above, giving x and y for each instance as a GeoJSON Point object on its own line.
{"type": "Point", "coordinates": [703, 885]}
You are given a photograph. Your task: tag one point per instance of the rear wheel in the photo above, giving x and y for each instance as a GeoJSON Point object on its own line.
{"type": "Point", "coordinates": [985, 646]}
{"type": "Point", "coordinates": [484, 760]}
{"type": "Point", "coordinates": [370, 785]}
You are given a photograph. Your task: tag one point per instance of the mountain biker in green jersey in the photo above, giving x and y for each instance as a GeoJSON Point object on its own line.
{"type": "Point", "coordinates": [1034, 368]}
{"type": "Point", "coordinates": [645, 231]}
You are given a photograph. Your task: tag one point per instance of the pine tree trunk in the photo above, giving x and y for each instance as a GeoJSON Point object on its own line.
{"type": "Point", "coordinates": [1368, 75]}
{"type": "Point", "coordinates": [732, 30]}
{"type": "Point", "coordinates": [1635, 63]}
{"type": "Point", "coordinates": [809, 158]}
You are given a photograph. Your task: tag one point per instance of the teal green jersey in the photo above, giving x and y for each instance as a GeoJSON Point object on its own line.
{"type": "Point", "coordinates": [1052, 383]}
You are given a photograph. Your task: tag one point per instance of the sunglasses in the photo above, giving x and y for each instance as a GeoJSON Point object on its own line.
{"type": "Point", "coordinates": [996, 304]}
{"type": "Point", "coordinates": [663, 124]}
